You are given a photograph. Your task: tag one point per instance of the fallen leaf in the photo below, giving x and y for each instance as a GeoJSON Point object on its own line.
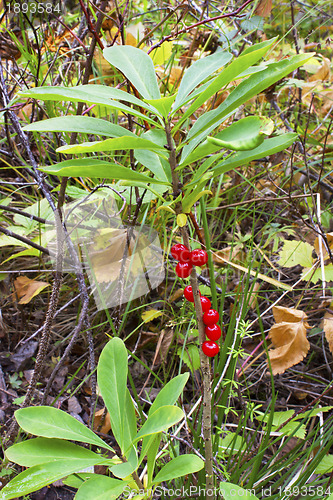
{"type": "Point", "coordinates": [264, 8]}
{"type": "Point", "coordinates": [329, 237]}
{"type": "Point", "coordinates": [150, 315]}
{"type": "Point", "coordinates": [106, 424]}
{"type": "Point", "coordinates": [26, 288]}
{"type": "Point", "coordinates": [233, 254]}
{"type": "Point", "coordinates": [323, 73]}
{"type": "Point", "coordinates": [294, 253]}
{"type": "Point", "coordinates": [328, 329]}
{"type": "Point", "coordinates": [289, 338]}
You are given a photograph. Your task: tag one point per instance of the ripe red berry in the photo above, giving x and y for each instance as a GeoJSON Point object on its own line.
{"type": "Point", "coordinates": [188, 293]}
{"type": "Point", "coordinates": [210, 348]}
{"type": "Point", "coordinates": [213, 332]}
{"type": "Point", "coordinates": [183, 269]}
{"type": "Point", "coordinates": [210, 317]}
{"type": "Point", "coordinates": [180, 252]}
{"type": "Point", "coordinates": [198, 257]}
{"type": "Point", "coordinates": [205, 304]}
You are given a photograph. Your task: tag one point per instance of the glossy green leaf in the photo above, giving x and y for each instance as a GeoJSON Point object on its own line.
{"type": "Point", "coordinates": [267, 148]}
{"type": "Point", "coordinates": [163, 418]}
{"type": "Point", "coordinates": [137, 66]}
{"type": "Point", "coordinates": [248, 88]}
{"type": "Point", "coordinates": [92, 168]}
{"type": "Point", "coordinates": [247, 133]}
{"type": "Point", "coordinates": [41, 475]}
{"type": "Point", "coordinates": [179, 466]}
{"type": "Point", "coordinates": [80, 124]}
{"type": "Point", "coordinates": [50, 422]}
{"type": "Point", "coordinates": [125, 469]}
{"type": "Point", "coordinates": [230, 73]}
{"type": "Point", "coordinates": [231, 491]}
{"type": "Point", "coordinates": [41, 450]}
{"type": "Point", "coordinates": [112, 380]}
{"type": "Point", "coordinates": [151, 449]}
{"type": "Point", "coordinates": [163, 105]}
{"type": "Point", "coordinates": [154, 162]}
{"type": "Point", "coordinates": [170, 393]}
{"type": "Point", "coordinates": [197, 73]}
{"type": "Point", "coordinates": [100, 488]}
{"type": "Point", "coordinates": [117, 143]}
{"type": "Point", "coordinates": [101, 95]}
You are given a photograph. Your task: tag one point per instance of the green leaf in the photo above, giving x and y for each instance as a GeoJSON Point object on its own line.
{"type": "Point", "coordinates": [190, 356]}
{"type": "Point", "coordinates": [231, 491]}
{"type": "Point", "coordinates": [154, 162]}
{"type": "Point", "coordinates": [41, 475]}
{"type": "Point", "coordinates": [163, 418]}
{"type": "Point", "coordinates": [246, 133]}
{"type": "Point", "coordinates": [230, 73]}
{"type": "Point", "coordinates": [294, 253]}
{"type": "Point", "coordinates": [92, 168]}
{"type": "Point", "coordinates": [80, 124]}
{"type": "Point", "coordinates": [248, 88]}
{"type": "Point", "coordinates": [249, 134]}
{"type": "Point", "coordinates": [41, 450]}
{"type": "Point", "coordinates": [268, 147]}
{"type": "Point", "coordinates": [231, 444]}
{"type": "Point", "coordinates": [170, 393]}
{"type": "Point", "coordinates": [100, 488]}
{"type": "Point", "coordinates": [318, 274]}
{"type": "Point", "coordinates": [101, 95]}
{"type": "Point", "coordinates": [50, 422]}
{"type": "Point", "coordinates": [112, 372]}
{"type": "Point", "coordinates": [114, 144]}
{"type": "Point", "coordinates": [137, 66]}
{"type": "Point", "coordinates": [163, 105]}
{"type": "Point", "coordinates": [325, 466]}
{"type": "Point", "coordinates": [197, 73]}
{"type": "Point", "coordinates": [179, 466]}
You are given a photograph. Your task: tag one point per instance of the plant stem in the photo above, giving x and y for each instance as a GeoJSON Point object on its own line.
{"type": "Point", "coordinates": [204, 360]}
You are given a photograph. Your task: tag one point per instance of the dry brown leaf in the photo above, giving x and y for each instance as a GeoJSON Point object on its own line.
{"type": "Point", "coordinates": [176, 295]}
{"type": "Point", "coordinates": [329, 237]}
{"type": "Point", "coordinates": [106, 424]}
{"type": "Point", "coordinates": [233, 254]}
{"type": "Point", "coordinates": [288, 314]}
{"type": "Point", "coordinates": [328, 329]}
{"type": "Point", "coordinates": [323, 73]}
{"type": "Point", "coordinates": [289, 337]}
{"type": "Point", "coordinates": [264, 8]}
{"type": "Point", "coordinates": [26, 288]}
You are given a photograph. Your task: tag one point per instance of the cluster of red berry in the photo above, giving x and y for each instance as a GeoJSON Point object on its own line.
{"type": "Point", "coordinates": [187, 260]}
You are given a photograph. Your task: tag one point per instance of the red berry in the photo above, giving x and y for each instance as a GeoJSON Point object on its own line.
{"type": "Point", "coordinates": [180, 252]}
{"type": "Point", "coordinates": [188, 293]}
{"type": "Point", "coordinates": [205, 304]}
{"type": "Point", "coordinates": [210, 348]}
{"type": "Point", "coordinates": [198, 257]}
{"type": "Point", "coordinates": [183, 269]}
{"type": "Point", "coordinates": [210, 317]}
{"type": "Point", "coordinates": [213, 332]}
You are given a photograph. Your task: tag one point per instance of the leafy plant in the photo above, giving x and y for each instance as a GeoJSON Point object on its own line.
{"type": "Point", "coordinates": [52, 455]}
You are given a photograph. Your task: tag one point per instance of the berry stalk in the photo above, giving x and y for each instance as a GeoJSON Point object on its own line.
{"type": "Point", "coordinates": [204, 360]}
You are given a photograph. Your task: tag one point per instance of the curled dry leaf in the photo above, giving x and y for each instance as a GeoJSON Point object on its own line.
{"type": "Point", "coordinates": [26, 288]}
{"type": "Point", "coordinates": [328, 329]}
{"type": "Point", "coordinates": [289, 337]}
{"type": "Point", "coordinates": [264, 8]}
{"type": "Point", "coordinates": [106, 424]}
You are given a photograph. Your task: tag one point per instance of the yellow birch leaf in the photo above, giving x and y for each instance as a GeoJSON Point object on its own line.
{"type": "Point", "coordinates": [151, 314]}
{"type": "Point", "coordinates": [26, 288]}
